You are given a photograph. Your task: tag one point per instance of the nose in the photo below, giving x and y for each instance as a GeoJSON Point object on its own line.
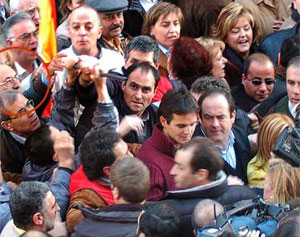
{"type": "Point", "coordinates": [172, 171]}
{"type": "Point", "coordinates": [263, 87]}
{"type": "Point", "coordinates": [16, 84]}
{"type": "Point", "coordinates": [36, 15]}
{"type": "Point", "coordinates": [57, 207]}
{"type": "Point", "coordinates": [116, 20]}
{"type": "Point", "coordinates": [296, 90]}
{"type": "Point", "coordinates": [82, 31]}
{"type": "Point", "coordinates": [138, 94]}
{"type": "Point", "coordinates": [242, 32]}
{"type": "Point", "coordinates": [224, 60]}
{"type": "Point", "coordinates": [172, 28]}
{"type": "Point", "coordinates": [215, 123]}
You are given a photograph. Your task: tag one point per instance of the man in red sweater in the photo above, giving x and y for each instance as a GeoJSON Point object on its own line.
{"type": "Point", "coordinates": [178, 117]}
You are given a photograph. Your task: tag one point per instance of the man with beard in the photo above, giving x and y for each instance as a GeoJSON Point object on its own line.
{"type": "Point", "coordinates": [112, 21]}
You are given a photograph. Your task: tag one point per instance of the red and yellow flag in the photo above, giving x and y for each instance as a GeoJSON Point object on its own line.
{"type": "Point", "coordinates": [47, 36]}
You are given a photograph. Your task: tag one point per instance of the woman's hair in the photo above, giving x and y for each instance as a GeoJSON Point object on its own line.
{"type": "Point", "coordinates": [211, 45]}
{"type": "Point", "coordinates": [268, 132]}
{"type": "Point", "coordinates": [189, 60]}
{"type": "Point", "coordinates": [228, 18]}
{"type": "Point", "coordinates": [284, 181]}
{"type": "Point", "coordinates": [8, 56]}
{"type": "Point", "coordinates": [160, 9]}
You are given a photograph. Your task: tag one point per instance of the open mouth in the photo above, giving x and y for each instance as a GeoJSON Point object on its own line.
{"type": "Point", "coordinates": [243, 42]}
{"type": "Point", "coordinates": [35, 121]}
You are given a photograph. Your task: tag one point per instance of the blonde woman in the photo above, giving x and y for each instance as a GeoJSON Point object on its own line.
{"type": "Point", "coordinates": [237, 28]}
{"type": "Point", "coordinates": [215, 49]}
{"type": "Point", "coordinates": [268, 133]}
{"type": "Point", "coordinates": [282, 182]}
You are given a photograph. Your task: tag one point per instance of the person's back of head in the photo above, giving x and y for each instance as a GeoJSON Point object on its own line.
{"type": "Point", "coordinates": [159, 220]}
{"type": "Point", "coordinates": [97, 151]}
{"type": "Point", "coordinates": [26, 201]}
{"type": "Point", "coordinates": [290, 48]}
{"type": "Point", "coordinates": [39, 148]}
{"type": "Point", "coordinates": [290, 226]}
{"type": "Point", "coordinates": [126, 172]}
{"type": "Point", "coordinates": [205, 212]}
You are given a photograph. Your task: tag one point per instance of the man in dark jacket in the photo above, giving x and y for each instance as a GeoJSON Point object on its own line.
{"type": "Point", "coordinates": [198, 175]}
{"type": "Point", "coordinates": [120, 219]}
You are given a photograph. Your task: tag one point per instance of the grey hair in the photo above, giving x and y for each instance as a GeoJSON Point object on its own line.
{"type": "Point", "coordinates": [294, 62]}
{"type": "Point", "coordinates": [27, 200]}
{"type": "Point", "coordinates": [144, 44]}
{"type": "Point", "coordinates": [11, 21]}
{"type": "Point", "coordinates": [14, 5]}
{"type": "Point", "coordinates": [203, 214]}
{"type": "Point", "coordinates": [7, 97]}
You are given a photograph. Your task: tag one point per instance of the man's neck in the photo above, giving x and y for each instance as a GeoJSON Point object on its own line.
{"type": "Point", "coordinates": [28, 66]}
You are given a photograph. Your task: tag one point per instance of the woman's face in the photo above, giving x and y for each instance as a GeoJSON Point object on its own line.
{"type": "Point", "coordinates": [268, 192]}
{"type": "Point", "coordinates": [240, 37]}
{"type": "Point", "coordinates": [166, 30]}
{"type": "Point", "coordinates": [218, 62]}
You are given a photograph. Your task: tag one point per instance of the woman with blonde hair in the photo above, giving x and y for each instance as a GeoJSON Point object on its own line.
{"type": "Point", "coordinates": [268, 132]}
{"type": "Point", "coordinates": [163, 23]}
{"type": "Point", "coordinates": [282, 182]}
{"type": "Point", "coordinates": [215, 49]}
{"type": "Point", "coordinates": [237, 28]}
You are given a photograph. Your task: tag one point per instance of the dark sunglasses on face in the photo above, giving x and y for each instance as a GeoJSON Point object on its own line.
{"type": "Point", "coordinates": [268, 82]}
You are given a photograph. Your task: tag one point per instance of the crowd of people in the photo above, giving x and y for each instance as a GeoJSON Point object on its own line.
{"type": "Point", "coordinates": [154, 118]}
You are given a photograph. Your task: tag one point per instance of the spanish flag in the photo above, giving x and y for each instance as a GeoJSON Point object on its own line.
{"type": "Point", "coordinates": [47, 36]}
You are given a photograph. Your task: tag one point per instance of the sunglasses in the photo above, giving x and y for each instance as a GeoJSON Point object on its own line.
{"type": "Point", "coordinates": [268, 82]}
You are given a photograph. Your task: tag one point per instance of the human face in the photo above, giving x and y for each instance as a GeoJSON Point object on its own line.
{"type": "Point", "coordinates": [293, 84]}
{"type": "Point", "coordinates": [218, 62]}
{"type": "Point", "coordinates": [136, 56]}
{"type": "Point", "coordinates": [8, 79]}
{"type": "Point", "coordinates": [216, 119]}
{"type": "Point", "coordinates": [182, 172]}
{"type": "Point", "coordinates": [181, 128]}
{"type": "Point", "coordinates": [268, 192]}
{"type": "Point", "coordinates": [75, 4]}
{"type": "Point", "coordinates": [22, 125]}
{"type": "Point", "coordinates": [50, 214]}
{"type": "Point", "coordinates": [121, 150]}
{"type": "Point", "coordinates": [24, 34]}
{"type": "Point", "coordinates": [84, 31]}
{"type": "Point", "coordinates": [112, 24]}
{"type": "Point", "coordinates": [259, 72]}
{"type": "Point", "coordinates": [240, 37]}
{"type": "Point", "coordinates": [32, 8]}
{"type": "Point", "coordinates": [166, 30]}
{"type": "Point", "coordinates": [139, 90]}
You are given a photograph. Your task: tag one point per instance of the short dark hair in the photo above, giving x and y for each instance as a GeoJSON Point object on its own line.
{"type": "Point", "coordinates": [159, 219]}
{"type": "Point", "coordinates": [294, 62]}
{"type": "Point", "coordinates": [11, 21]}
{"type": "Point", "coordinates": [205, 155]}
{"type": "Point", "coordinates": [145, 68]}
{"type": "Point", "coordinates": [205, 83]}
{"type": "Point", "coordinates": [97, 151]}
{"type": "Point", "coordinates": [256, 57]}
{"type": "Point", "coordinates": [143, 44]}
{"type": "Point", "coordinates": [7, 97]}
{"type": "Point", "coordinates": [177, 101]}
{"type": "Point", "coordinates": [290, 48]}
{"type": "Point", "coordinates": [38, 147]}
{"type": "Point", "coordinates": [214, 92]}
{"type": "Point", "coordinates": [27, 200]}
{"type": "Point", "coordinates": [128, 171]}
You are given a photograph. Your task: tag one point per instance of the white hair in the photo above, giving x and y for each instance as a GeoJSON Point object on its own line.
{"type": "Point", "coordinates": [14, 5]}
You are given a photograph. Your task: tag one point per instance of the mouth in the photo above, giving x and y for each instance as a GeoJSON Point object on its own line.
{"type": "Point", "coordinates": [244, 42]}
{"type": "Point", "coordinates": [34, 49]}
{"type": "Point", "coordinates": [35, 121]}
{"type": "Point", "coordinates": [172, 37]}
{"type": "Point", "coordinates": [295, 101]}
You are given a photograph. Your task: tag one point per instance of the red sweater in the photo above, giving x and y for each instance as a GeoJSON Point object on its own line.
{"type": "Point", "coordinates": [157, 153]}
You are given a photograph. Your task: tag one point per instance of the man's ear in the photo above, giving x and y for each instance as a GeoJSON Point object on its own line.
{"type": "Point", "coordinates": [116, 194]}
{"type": "Point", "coordinates": [55, 158]}
{"type": "Point", "coordinates": [38, 219]}
{"type": "Point", "coordinates": [163, 121]}
{"type": "Point", "coordinates": [279, 59]}
{"type": "Point", "coordinates": [7, 126]}
{"type": "Point", "coordinates": [244, 78]}
{"type": "Point", "coordinates": [233, 115]}
{"type": "Point", "coordinates": [9, 42]}
{"type": "Point", "coordinates": [106, 171]}
{"type": "Point", "coordinates": [100, 31]}
{"type": "Point", "coordinates": [123, 85]}
{"type": "Point", "coordinates": [202, 175]}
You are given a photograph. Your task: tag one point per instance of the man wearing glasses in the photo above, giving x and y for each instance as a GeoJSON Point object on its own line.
{"type": "Point", "coordinates": [19, 30]}
{"type": "Point", "coordinates": [258, 81]}
{"type": "Point", "coordinates": [9, 79]}
{"type": "Point", "coordinates": [15, 128]}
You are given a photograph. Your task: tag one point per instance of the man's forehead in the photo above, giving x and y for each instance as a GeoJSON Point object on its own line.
{"type": "Point", "coordinates": [83, 15]}
{"type": "Point", "coordinates": [142, 78]}
{"type": "Point", "coordinates": [20, 26]}
{"type": "Point", "coordinates": [27, 4]}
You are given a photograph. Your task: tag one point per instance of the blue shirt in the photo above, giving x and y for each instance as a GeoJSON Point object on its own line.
{"type": "Point", "coordinates": [229, 154]}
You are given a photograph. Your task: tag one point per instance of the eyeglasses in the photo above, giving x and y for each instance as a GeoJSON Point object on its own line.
{"type": "Point", "coordinates": [29, 105]}
{"type": "Point", "coordinates": [10, 80]}
{"type": "Point", "coordinates": [268, 82]}
{"type": "Point", "coordinates": [27, 36]}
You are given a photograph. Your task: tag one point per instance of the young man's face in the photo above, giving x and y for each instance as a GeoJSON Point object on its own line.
{"type": "Point", "coordinates": [181, 128]}
{"type": "Point", "coordinates": [139, 90]}
{"type": "Point", "coordinates": [136, 56]}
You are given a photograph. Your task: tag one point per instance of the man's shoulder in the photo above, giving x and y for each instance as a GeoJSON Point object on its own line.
{"type": "Point", "coordinates": [282, 105]}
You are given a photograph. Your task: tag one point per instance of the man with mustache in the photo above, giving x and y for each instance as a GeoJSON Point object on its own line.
{"type": "Point", "coordinates": [112, 21]}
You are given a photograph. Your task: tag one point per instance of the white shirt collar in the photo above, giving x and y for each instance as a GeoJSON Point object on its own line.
{"type": "Point", "coordinates": [292, 108]}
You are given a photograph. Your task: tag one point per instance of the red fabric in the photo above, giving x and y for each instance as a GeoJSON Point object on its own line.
{"type": "Point", "coordinates": [164, 85]}
{"type": "Point", "coordinates": [80, 181]}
